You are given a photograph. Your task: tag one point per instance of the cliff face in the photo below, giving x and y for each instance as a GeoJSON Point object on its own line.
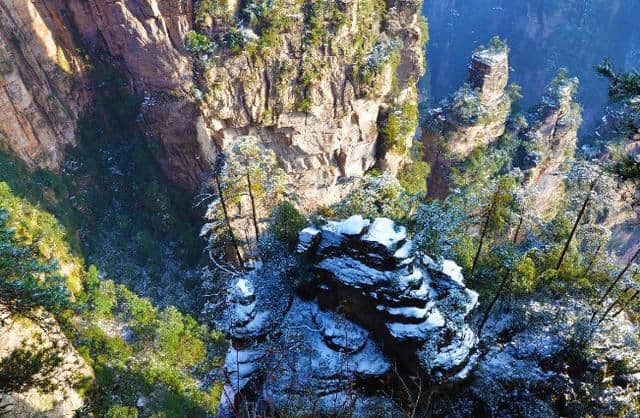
{"type": "Point", "coordinates": [42, 81]}
{"type": "Point", "coordinates": [147, 38]}
{"type": "Point", "coordinates": [315, 81]}
{"type": "Point", "coordinates": [551, 141]}
{"type": "Point", "coordinates": [475, 115]}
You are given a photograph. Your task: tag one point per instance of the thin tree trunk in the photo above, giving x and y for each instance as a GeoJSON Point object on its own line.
{"type": "Point", "coordinates": [593, 260]}
{"type": "Point", "coordinates": [483, 233]}
{"type": "Point", "coordinates": [253, 206]}
{"type": "Point", "coordinates": [626, 304]}
{"type": "Point", "coordinates": [223, 203]}
{"type": "Point", "coordinates": [515, 235]}
{"type": "Point", "coordinates": [575, 225]}
{"type": "Point", "coordinates": [609, 310]}
{"type": "Point", "coordinates": [615, 282]}
{"type": "Point", "coordinates": [495, 299]}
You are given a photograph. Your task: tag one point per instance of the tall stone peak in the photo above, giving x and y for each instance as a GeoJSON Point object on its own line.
{"type": "Point", "coordinates": [475, 115]}
{"type": "Point", "coordinates": [489, 72]}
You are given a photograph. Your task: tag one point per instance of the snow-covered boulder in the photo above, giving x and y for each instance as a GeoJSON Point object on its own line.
{"type": "Point", "coordinates": [369, 305]}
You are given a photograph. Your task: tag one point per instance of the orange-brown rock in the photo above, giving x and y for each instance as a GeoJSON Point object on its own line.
{"type": "Point", "coordinates": [42, 81]}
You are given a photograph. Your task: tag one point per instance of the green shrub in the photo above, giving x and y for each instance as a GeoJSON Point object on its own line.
{"type": "Point", "coordinates": [400, 123]}
{"type": "Point", "coordinates": [286, 223]}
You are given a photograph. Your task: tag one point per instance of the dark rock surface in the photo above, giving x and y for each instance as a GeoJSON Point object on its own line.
{"type": "Point", "coordinates": [377, 307]}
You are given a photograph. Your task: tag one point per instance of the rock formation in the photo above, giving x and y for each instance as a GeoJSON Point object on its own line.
{"type": "Point", "coordinates": [536, 364]}
{"type": "Point", "coordinates": [550, 142]}
{"type": "Point", "coordinates": [368, 305]}
{"type": "Point", "coordinates": [473, 116]}
{"type": "Point", "coordinates": [316, 85]}
{"type": "Point", "coordinates": [317, 98]}
{"type": "Point", "coordinates": [43, 332]}
{"type": "Point", "coordinates": [42, 82]}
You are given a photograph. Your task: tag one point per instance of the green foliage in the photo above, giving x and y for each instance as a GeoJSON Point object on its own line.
{"type": "Point", "coordinates": [497, 44]}
{"type": "Point", "coordinates": [251, 173]}
{"type": "Point", "coordinates": [134, 348]}
{"type": "Point", "coordinates": [286, 222]}
{"type": "Point", "coordinates": [198, 43]}
{"type": "Point", "coordinates": [438, 226]}
{"type": "Point", "coordinates": [314, 25]}
{"type": "Point", "coordinates": [205, 8]}
{"type": "Point", "coordinates": [160, 357]}
{"type": "Point", "coordinates": [401, 122]}
{"type": "Point", "coordinates": [373, 197]}
{"type": "Point", "coordinates": [25, 281]}
{"type": "Point", "coordinates": [413, 177]}
{"type": "Point", "coordinates": [119, 411]}
{"type": "Point", "coordinates": [622, 86]}
{"type": "Point", "coordinates": [466, 105]}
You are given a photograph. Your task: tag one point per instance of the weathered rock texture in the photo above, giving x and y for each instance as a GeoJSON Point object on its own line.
{"type": "Point", "coordinates": [541, 360]}
{"type": "Point", "coordinates": [318, 100]}
{"type": "Point", "coordinates": [317, 94]}
{"type": "Point", "coordinates": [476, 114]}
{"type": "Point", "coordinates": [65, 398]}
{"type": "Point", "coordinates": [366, 304]}
{"type": "Point", "coordinates": [42, 81]}
{"type": "Point", "coordinates": [147, 38]}
{"type": "Point", "coordinates": [473, 116]}
{"type": "Point", "coordinates": [550, 142]}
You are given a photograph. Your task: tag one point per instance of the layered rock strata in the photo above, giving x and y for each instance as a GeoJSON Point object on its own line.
{"type": "Point", "coordinates": [376, 307]}
{"type": "Point", "coordinates": [475, 115]}
{"type": "Point", "coordinates": [315, 81]}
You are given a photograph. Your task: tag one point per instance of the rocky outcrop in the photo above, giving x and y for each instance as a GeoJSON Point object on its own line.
{"type": "Point", "coordinates": [42, 81]}
{"type": "Point", "coordinates": [317, 91]}
{"type": "Point", "coordinates": [473, 116]}
{"type": "Point", "coordinates": [476, 114]}
{"type": "Point", "coordinates": [315, 81]}
{"type": "Point", "coordinates": [368, 305]}
{"type": "Point", "coordinates": [543, 360]}
{"type": "Point", "coordinates": [550, 142]}
{"type": "Point", "coordinates": [42, 332]}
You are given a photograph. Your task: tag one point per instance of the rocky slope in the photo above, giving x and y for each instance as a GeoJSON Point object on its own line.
{"type": "Point", "coordinates": [540, 359]}
{"type": "Point", "coordinates": [37, 333]}
{"type": "Point", "coordinates": [315, 81]}
{"type": "Point", "coordinates": [368, 309]}
{"type": "Point", "coordinates": [549, 142]}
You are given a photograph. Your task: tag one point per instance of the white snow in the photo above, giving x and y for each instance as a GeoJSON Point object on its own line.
{"type": "Point", "coordinates": [458, 351]}
{"type": "Point", "coordinates": [473, 300]}
{"type": "Point", "coordinates": [410, 312]}
{"type": "Point", "coordinates": [351, 226]}
{"type": "Point", "coordinates": [245, 288]}
{"type": "Point", "coordinates": [404, 251]}
{"type": "Point", "coordinates": [451, 269]}
{"type": "Point", "coordinates": [385, 232]}
{"type": "Point", "coordinates": [305, 238]}
{"type": "Point", "coordinates": [419, 331]}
